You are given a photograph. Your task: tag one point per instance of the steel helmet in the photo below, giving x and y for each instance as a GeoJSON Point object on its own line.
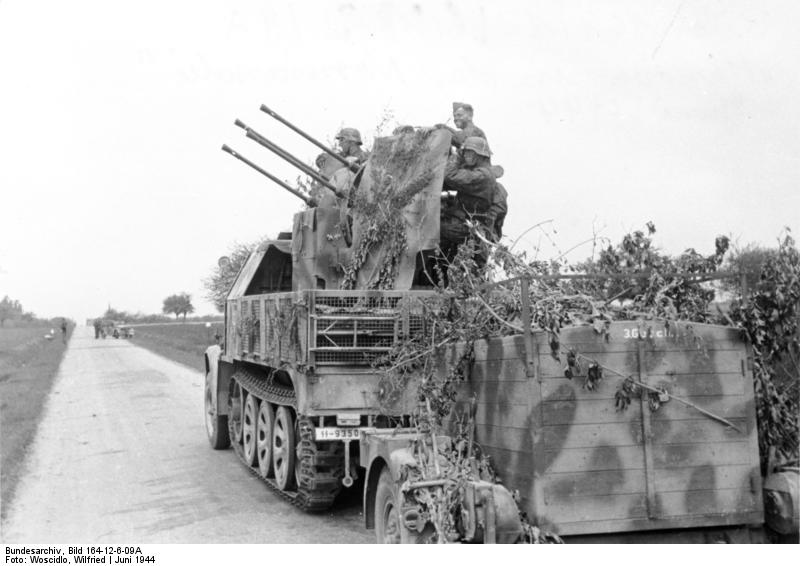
{"type": "Point", "coordinates": [478, 145]}
{"type": "Point", "coordinates": [349, 134]}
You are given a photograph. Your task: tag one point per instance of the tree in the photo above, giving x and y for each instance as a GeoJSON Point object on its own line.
{"type": "Point", "coordinates": [180, 304]}
{"type": "Point", "coordinates": [219, 283]}
{"type": "Point", "coordinates": [114, 314]}
{"type": "Point", "coordinates": [747, 262]}
{"type": "Point", "coordinates": [9, 309]}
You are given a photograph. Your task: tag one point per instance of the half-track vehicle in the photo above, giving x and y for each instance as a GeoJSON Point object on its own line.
{"type": "Point", "coordinates": [296, 388]}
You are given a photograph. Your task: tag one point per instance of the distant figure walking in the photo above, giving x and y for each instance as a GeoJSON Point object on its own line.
{"type": "Point", "coordinates": [98, 324]}
{"type": "Point", "coordinates": [64, 330]}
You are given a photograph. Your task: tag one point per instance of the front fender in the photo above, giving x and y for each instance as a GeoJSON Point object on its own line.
{"type": "Point", "coordinates": [383, 457]}
{"type": "Point", "coordinates": [219, 396]}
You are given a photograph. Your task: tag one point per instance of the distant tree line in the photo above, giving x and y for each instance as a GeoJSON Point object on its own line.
{"type": "Point", "coordinates": [11, 311]}
{"type": "Point", "coordinates": [179, 304]}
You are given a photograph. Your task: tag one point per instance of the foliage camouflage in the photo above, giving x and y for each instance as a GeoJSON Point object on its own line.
{"type": "Point", "coordinates": [380, 210]}
{"type": "Point", "coordinates": [464, 311]}
{"type": "Point", "coordinates": [769, 315]}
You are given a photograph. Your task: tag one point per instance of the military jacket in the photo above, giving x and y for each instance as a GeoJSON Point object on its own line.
{"type": "Point", "coordinates": [475, 189]}
{"type": "Point", "coordinates": [498, 209]}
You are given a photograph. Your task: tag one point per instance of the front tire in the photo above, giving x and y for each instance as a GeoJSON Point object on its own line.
{"type": "Point", "coordinates": [387, 510]}
{"type": "Point", "coordinates": [235, 413]}
{"type": "Point", "coordinates": [216, 425]}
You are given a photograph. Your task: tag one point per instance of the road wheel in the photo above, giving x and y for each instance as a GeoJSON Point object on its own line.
{"type": "Point", "coordinates": [387, 510]}
{"type": "Point", "coordinates": [264, 425]}
{"type": "Point", "coordinates": [235, 413]}
{"type": "Point", "coordinates": [283, 448]}
{"type": "Point", "coordinates": [249, 416]}
{"type": "Point", "coordinates": [216, 425]}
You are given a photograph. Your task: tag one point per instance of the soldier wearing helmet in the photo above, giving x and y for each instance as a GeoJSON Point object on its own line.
{"type": "Point", "coordinates": [462, 117]}
{"type": "Point", "coordinates": [350, 145]}
{"type": "Point", "coordinates": [475, 184]}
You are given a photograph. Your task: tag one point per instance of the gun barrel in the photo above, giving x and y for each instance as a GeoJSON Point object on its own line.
{"type": "Point", "coordinates": [323, 147]}
{"type": "Point", "coordinates": [269, 175]}
{"type": "Point", "coordinates": [283, 154]}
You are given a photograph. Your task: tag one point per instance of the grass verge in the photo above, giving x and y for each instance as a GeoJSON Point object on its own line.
{"type": "Point", "coordinates": [28, 367]}
{"type": "Point", "coordinates": [184, 343]}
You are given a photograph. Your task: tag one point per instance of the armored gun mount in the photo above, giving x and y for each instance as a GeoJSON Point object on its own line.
{"type": "Point", "coordinates": [368, 229]}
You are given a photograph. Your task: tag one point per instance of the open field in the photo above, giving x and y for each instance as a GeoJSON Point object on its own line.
{"type": "Point", "coordinates": [14, 339]}
{"type": "Point", "coordinates": [28, 366]}
{"type": "Point", "coordinates": [184, 343]}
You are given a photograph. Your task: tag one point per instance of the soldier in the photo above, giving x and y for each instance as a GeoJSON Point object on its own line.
{"type": "Point", "coordinates": [349, 141]}
{"type": "Point", "coordinates": [497, 211]}
{"type": "Point", "coordinates": [475, 185]}
{"type": "Point", "coordinates": [462, 117]}
{"type": "Point", "coordinates": [350, 145]}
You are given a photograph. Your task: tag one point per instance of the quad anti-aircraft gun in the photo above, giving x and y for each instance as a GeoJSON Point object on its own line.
{"type": "Point", "coordinates": [297, 387]}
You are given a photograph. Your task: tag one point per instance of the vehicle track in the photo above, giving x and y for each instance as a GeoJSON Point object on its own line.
{"type": "Point", "coordinates": [321, 465]}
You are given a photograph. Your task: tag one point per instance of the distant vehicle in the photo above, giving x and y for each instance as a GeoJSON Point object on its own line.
{"type": "Point", "coordinates": [123, 332]}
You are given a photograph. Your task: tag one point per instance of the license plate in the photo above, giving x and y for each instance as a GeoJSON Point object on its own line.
{"type": "Point", "coordinates": [336, 433]}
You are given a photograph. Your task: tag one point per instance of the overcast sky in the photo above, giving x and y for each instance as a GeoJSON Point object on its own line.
{"type": "Point", "coordinates": [605, 115]}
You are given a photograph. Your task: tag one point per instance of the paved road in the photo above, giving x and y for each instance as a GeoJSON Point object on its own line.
{"type": "Point", "coordinates": [121, 456]}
